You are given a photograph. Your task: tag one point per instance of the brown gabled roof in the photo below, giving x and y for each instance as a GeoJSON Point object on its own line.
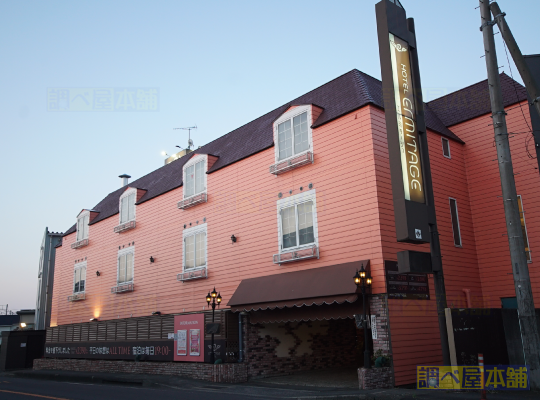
{"type": "Point", "coordinates": [338, 97]}
{"type": "Point", "coordinates": [473, 101]}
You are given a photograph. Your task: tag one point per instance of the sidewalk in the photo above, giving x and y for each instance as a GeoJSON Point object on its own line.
{"type": "Point", "coordinates": [261, 388]}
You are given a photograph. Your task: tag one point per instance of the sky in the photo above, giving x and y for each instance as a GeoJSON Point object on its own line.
{"type": "Point", "coordinates": [213, 64]}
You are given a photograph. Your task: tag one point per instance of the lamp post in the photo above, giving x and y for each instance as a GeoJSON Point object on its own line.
{"type": "Point", "coordinates": [213, 298]}
{"type": "Point", "coordinates": [363, 280]}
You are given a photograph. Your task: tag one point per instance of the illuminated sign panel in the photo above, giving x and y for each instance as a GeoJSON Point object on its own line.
{"type": "Point", "coordinates": [405, 124]}
{"type": "Point", "coordinates": [411, 166]}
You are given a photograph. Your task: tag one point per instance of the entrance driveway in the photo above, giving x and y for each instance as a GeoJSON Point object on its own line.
{"type": "Point", "coordinates": [344, 378]}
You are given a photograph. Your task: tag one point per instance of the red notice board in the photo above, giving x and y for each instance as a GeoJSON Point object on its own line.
{"type": "Point", "coordinates": [189, 337]}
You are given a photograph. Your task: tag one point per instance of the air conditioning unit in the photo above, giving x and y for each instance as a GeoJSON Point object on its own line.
{"type": "Point", "coordinates": [125, 227]}
{"type": "Point", "coordinates": [121, 288]}
{"type": "Point", "coordinates": [296, 255]}
{"type": "Point", "coordinates": [77, 297]}
{"type": "Point", "coordinates": [198, 273]}
{"type": "Point", "coordinates": [193, 201]}
{"type": "Point", "coordinates": [80, 243]}
{"type": "Point", "coordinates": [292, 163]}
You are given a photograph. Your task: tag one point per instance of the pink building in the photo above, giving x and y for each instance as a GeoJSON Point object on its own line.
{"type": "Point", "coordinates": [278, 215]}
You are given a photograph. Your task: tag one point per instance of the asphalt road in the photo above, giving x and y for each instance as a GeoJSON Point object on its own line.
{"type": "Point", "coordinates": [28, 389]}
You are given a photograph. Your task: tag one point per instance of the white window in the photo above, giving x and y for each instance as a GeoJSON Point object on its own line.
{"type": "Point", "coordinates": [126, 260]}
{"type": "Point", "coordinates": [297, 221]}
{"type": "Point", "coordinates": [293, 133]}
{"type": "Point", "coordinates": [79, 278]}
{"type": "Point", "coordinates": [524, 229]}
{"type": "Point", "coordinates": [127, 206]}
{"type": "Point", "coordinates": [455, 222]}
{"type": "Point", "coordinates": [195, 247]}
{"type": "Point", "coordinates": [82, 225]}
{"type": "Point", "coordinates": [446, 147]}
{"type": "Point", "coordinates": [195, 175]}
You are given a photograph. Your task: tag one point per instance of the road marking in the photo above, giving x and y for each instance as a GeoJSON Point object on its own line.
{"type": "Point", "coordinates": [35, 395]}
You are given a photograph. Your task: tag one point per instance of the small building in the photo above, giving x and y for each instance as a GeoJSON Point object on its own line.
{"type": "Point", "coordinates": [46, 278]}
{"type": "Point", "coordinates": [8, 323]}
{"type": "Point", "coordinates": [27, 319]}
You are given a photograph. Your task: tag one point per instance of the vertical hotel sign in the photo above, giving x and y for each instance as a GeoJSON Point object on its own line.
{"type": "Point", "coordinates": [405, 124]}
{"type": "Point", "coordinates": [411, 166]}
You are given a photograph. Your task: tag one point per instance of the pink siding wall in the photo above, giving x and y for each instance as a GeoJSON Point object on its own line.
{"type": "Point", "coordinates": [241, 201]}
{"type": "Point", "coordinates": [487, 204]}
{"type": "Point", "coordinates": [355, 214]}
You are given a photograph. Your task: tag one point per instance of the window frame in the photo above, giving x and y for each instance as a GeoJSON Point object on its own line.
{"type": "Point", "coordinates": [289, 115]}
{"type": "Point", "coordinates": [122, 252]}
{"type": "Point", "coordinates": [191, 232]}
{"type": "Point", "coordinates": [526, 237]}
{"type": "Point", "coordinates": [82, 216]}
{"type": "Point", "coordinates": [452, 223]}
{"type": "Point", "coordinates": [443, 139]}
{"type": "Point", "coordinates": [79, 266]}
{"type": "Point", "coordinates": [295, 200]}
{"type": "Point", "coordinates": [127, 193]}
{"type": "Point", "coordinates": [191, 163]}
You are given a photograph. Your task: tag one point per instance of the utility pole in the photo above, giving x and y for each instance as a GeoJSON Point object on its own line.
{"type": "Point", "coordinates": [522, 283]}
{"type": "Point", "coordinates": [530, 84]}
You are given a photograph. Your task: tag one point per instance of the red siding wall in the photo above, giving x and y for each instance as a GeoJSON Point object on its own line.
{"type": "Point", "coordinates": [487, 204]}
{"type": "Point", "coordinates": [413, 323]}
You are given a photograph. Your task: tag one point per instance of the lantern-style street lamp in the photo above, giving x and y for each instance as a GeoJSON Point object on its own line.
{"type": "Point", "coordinates": [363, 280]}
{"type": "Point", "coordinates": [213, 298]}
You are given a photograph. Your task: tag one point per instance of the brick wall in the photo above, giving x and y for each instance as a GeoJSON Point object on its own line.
{"type": "Point", "coordinates": [379, 308]}
{"type": "Point", "coordinates": [230, 373]}
{"type": "Point", "coordinates": [375, 378]}
{"type": "Point", "coordinates": [281, 348]}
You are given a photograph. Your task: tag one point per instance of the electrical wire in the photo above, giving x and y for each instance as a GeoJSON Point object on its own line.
{"type": "Point", "coordinates": [528, 138]}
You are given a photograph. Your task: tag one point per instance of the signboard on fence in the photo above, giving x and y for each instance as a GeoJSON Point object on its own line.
{"type": "Point", "coordinates": [151, 350]}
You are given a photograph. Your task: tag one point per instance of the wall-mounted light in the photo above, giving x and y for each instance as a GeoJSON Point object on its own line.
{"type": "Point", "coordinates": [233, 238]}
{"type": "Point", "coordinates": [156, 312]}
{"type": "Point", "coordinates": [98, 273]}
{"type": "Point", "coordinates": [23, 324]}
{"type": "Point", "coordinates": [152, 259]}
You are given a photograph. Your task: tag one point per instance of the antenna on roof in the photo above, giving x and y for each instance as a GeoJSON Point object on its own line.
{"type": "Point", "coordinates": [189, 128]}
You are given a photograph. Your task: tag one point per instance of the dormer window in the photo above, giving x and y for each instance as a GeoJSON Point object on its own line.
{"type": "Point", "coordinates": [82, 226]}
{"type": "Point", "coordinates": [195, 179]}
{"type": "Point", "coordinates": [127, 209]}
{"type": "Point", "coordinates": [293, 138]}
{"type": "Point", "coordinates": [82, 230]}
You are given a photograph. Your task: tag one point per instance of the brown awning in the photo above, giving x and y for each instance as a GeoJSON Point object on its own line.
{"type": "Point", "coordinates": [318, 286]}
{"type": "Point", "coordinates": [307, 313]}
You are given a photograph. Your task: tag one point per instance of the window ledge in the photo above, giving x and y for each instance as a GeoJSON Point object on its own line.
{"type": "Point", "coordinates": [195, 273]}
{"type": "Point", "coordinates": [79, 244]}
{"type": "Point", "coordinates": [297, 254]}
{"type": "Point", "coordinates": [77, 297]}
{"type": "Point", "coordinates": [124, 287]}
{"type": "Point", "coordinates": [193, 201]}
{"type": "Point", "coordinates": [125, 227]}
{"type": "Point", "coordinates": [292, 163]}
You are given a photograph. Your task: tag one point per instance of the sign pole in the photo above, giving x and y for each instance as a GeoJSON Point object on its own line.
{"type": "Point", "coordinates": [412, 189]}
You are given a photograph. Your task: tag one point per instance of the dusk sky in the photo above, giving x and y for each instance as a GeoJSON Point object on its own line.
{"type": "Point", "coordinates": [214, 64]}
